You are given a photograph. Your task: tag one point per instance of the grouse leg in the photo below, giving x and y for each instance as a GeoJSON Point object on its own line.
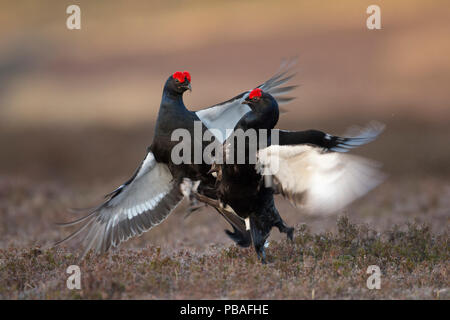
{"type": "Point", "coordinates": [259, 238]}
{"type": "Point", "coordinates": [281, 225]}
{"type": "Point", "coordinates": [270, 213]}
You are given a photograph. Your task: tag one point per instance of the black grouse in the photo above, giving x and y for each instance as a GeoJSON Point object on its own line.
{"type": "Point", "coordinates": [310, 173]}
{"type": "Point", "coordinates": [156, 187]}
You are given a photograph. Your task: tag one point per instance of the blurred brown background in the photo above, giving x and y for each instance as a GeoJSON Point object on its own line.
{"type": "Point", "coordinates": [77, 107]}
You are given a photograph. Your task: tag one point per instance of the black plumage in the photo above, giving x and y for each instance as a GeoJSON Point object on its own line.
{"type": "Point", "coordinates": [243, 188]}
{"type": "Point", "coordinates": [155, 188]}
{"type": "Point", "coordinates": [238, 193]}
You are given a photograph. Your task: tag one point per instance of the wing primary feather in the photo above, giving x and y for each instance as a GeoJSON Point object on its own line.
{"type": "Point", "coordinates": [284, 100]}
{"type": "Point", "coordinates": [281, 90]}
{"type": "Point", "coordinates": [77, 221]}
{"type": "Point", "coordinates": [280, 82]}
{"type": "Point", "coordinates": [74, 234]}
{"type": "Point", "coordinates": [90, 238]}
{"type": "Point", "coordinates": [274, 78]}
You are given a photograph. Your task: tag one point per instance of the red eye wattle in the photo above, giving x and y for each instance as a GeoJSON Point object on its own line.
{"type": "Point", "coordinates": [255, 93]}
{"type": "Point", "coordinates": [179, 76]}
{"type": "Point", "coordinates": [187, 76]}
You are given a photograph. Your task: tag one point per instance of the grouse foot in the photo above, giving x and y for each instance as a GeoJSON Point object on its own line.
{"type": "Point", "coordinates": [281, 225]}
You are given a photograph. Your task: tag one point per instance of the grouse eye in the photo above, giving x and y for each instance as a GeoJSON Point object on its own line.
{"type": "Point", "coordinates": [179, 77]}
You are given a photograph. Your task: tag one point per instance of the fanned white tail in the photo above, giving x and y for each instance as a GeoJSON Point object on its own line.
{"type": "Point", "coordinates": [318, 182]}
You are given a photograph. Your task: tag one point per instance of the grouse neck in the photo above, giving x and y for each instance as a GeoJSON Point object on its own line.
{"type": "Point", "coordinates": [172, 99]}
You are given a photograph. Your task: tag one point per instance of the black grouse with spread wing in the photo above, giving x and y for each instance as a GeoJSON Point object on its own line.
{"type": "Point", "coordinates": [158, 185]}
{"type": "Point", "coordinates": [300, 156]}
{"type": "Point", "coordinates": [155, 189]}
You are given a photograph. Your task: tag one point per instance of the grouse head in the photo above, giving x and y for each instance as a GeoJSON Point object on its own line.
{"type": "Point", "coordinates": [260, 101]}
{"type": "Point", "coordinates": [179, 82]}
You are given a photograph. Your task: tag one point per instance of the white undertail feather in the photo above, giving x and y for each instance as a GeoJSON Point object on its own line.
{"type": "Point", "coordinates": [318, 182]}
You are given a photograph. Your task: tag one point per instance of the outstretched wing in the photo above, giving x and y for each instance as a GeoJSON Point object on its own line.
{"type": "Point", "coordinates": [224, 116]}
{"type": "Point", "coordinates": [141, 203]}
{"type": "Point", "coordinates": [319, 183]}
{"type": "Point", "coordinates": [354, 137]}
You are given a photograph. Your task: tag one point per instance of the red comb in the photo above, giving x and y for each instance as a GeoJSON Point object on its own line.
{"type": "Point", "coordinates": [255, 93]}
{"type": "Point", "coordinates": [187, 75]}
{"type": "Point", "coordinates": [179, 75]}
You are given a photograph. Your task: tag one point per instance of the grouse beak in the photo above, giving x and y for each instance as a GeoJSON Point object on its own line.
{"type": "Point", "coordinates": [187, 86]}
{"type": "Point", "coordinates": [247, 102]}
